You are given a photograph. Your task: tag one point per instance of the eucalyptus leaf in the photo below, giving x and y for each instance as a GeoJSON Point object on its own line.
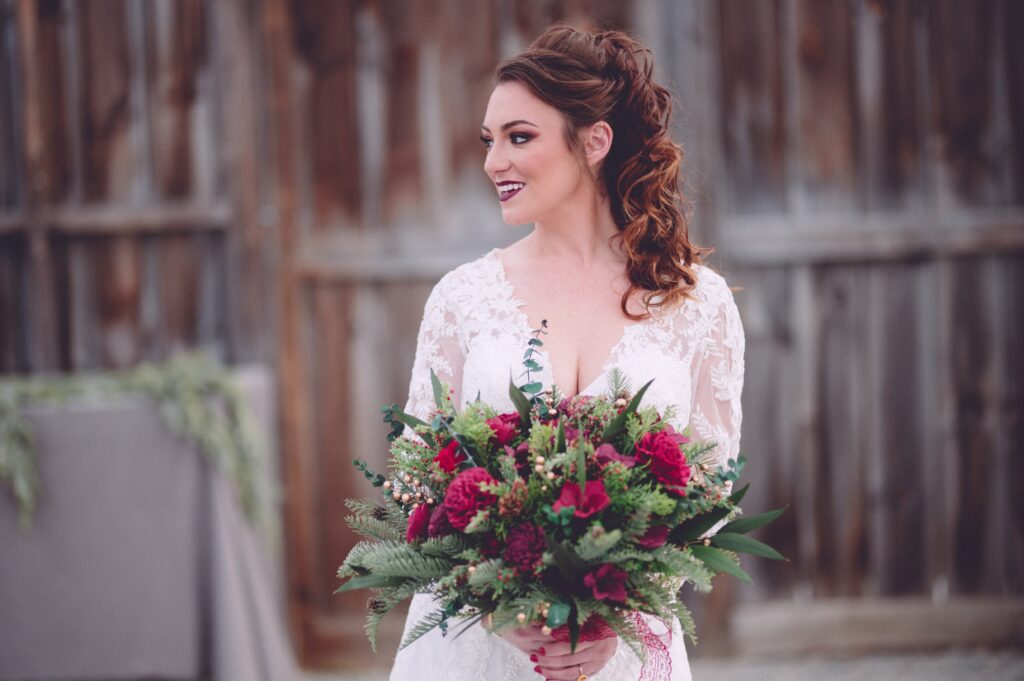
{"type": "Point", "coordinates": [744, 544]}
{"type": "Point", "coordinates": [718, 561]}
{"type": "Point", "coordinates": [521, 402]}
{"type": "Point", "coordinates": [752, 522]}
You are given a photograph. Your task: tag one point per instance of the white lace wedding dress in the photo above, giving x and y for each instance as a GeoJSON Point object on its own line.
{"type": "Point", "coordinates": [473, 335]}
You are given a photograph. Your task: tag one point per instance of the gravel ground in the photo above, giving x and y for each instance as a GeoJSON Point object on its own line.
{"type": "Point", "coordinates": [942, 666]}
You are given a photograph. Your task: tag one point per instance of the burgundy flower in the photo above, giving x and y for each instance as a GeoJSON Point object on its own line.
{"type": "Point", "coordinates": [490, 545]}
{"type": "Point", "coordinates": [524, 548]}
{"type": "Point", "coordinates": [655, 536]}
{"type": "Point", "coordinates": [522, 456]}
{"type": "Point", "coordinates": [449, 458]}
{"type": "Point", "coordinates": [505, 428]}
{"type": "Point", "coordinates": [607, 583]}
{"type": "Point", "coordinates": [666, 460]}
{"type": "Point", "coordinates": [606, 453]}
{"type": "Point", "coordinates": [419, 522]}
{"type": "Point", "coordinates": [465, 498]}
{"type": "Point", "coordinates": [439, 525]}
{"type": "Point", "coordinates": [587, 503]}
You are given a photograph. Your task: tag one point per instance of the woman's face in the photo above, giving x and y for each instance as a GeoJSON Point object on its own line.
{"type": "Point", "coordinates": [528, 161]}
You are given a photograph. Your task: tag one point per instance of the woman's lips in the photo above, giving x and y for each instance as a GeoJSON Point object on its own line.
{"type": "Point", "coordinates": [505, 196]}
{"type": "Point", "coordinates": [509, 189]}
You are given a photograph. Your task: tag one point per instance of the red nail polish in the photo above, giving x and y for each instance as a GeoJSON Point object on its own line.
{"type": "Point", "coordinates": [537, 669]}
{"type": "Point", "coordinates": [533, 658]}
{"type": "Point", "coordinates": [541, 651]}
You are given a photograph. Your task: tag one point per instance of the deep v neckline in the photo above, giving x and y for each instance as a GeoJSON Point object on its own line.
{"type": "Point", "coordinates": [518, 305]}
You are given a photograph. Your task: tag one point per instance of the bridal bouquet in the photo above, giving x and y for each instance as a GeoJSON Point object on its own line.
{"type": "Point", "coordinates": [569, 514]}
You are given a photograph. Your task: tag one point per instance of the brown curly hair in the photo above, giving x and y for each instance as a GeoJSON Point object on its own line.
{"type": "Point", "coordinates": [607, 76]}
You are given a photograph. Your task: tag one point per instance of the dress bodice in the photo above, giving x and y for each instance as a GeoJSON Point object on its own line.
{"type": "Point", "coordinates": [474, 333]}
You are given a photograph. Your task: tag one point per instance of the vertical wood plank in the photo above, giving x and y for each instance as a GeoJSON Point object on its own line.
{"type": "Point", "coordinates": [826, 100]}
{"type": "Point", "coordinates": [297, 459]}
{"type": "Point", "coordinates": [961, 41]}
{"type": "Point", "coordinates": [110, 167]}
{"type": "Point", "coordinates": [971, 371]}
{"type": "Point", "coordinates": [888, 37]}
{"type": "Point", "coordinates": [754, 141]}
{"type": "Point", "coordinates": [1013, 58]}
{"type": "Point", "coordinates": [247, 179]}
{"type": "Point", "coordinates": [330, 125]}
{"type": "Point", "coordinates": [176, 54]}
{"type": "Point", "coordinates": [43, 341]}
{"type": "Point", "coordinates": [11, 177]}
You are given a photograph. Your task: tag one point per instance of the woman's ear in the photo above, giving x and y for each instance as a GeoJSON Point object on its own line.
{"type": "Point", "coordinates": [597, 142]}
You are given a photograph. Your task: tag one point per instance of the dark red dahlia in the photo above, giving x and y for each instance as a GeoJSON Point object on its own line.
{"type": "Point", "coordinates": [661, 451]}
{"type": "Point", "coordinates": [524, 548]}
{"type": "Point", "coordinates": [465, 497]}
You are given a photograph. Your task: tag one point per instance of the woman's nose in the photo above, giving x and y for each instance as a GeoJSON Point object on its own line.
{"type": "Point", "coordinates": [495, 161]}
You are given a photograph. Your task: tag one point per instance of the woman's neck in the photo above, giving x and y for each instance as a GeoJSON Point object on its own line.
{"type": "Point", "coordinates": [578, 235]}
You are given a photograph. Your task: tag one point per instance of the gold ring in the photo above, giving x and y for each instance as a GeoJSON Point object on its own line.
{"type": "Point", "coordinates": [582, 676]}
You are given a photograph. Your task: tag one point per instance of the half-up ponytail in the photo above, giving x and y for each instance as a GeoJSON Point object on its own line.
{"type": "Point", "coordinates": [609, 76]}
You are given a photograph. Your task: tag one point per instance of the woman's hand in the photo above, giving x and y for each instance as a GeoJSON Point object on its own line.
{"type": "Point", "coordinates": [557, 663]}
{"type": "Point", "coordinates": [530, 640]}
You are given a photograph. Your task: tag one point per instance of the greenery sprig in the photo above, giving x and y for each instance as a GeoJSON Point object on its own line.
{"type": "Point", "coordinates": [196, 397]}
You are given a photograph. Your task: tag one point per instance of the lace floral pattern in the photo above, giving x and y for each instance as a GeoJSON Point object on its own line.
{"type": "Point", "coordinates": [473, 334]}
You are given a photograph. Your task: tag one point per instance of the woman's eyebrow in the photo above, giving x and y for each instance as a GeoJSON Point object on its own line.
{"type": "Point", "coordinates": [508, 125]}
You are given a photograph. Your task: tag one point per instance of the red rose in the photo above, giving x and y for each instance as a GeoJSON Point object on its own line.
{"type": "Point", "coordinates": [465, 498]}
{"type": "Point", "coordinates": [524, 548]}
{"type": "Point", "coordinates": [419, 521]}
{"type": "Point", "coordinates": [666, 460]}
{"type": "Point", "coordinates": [505, 428]}
{"type": "Point", "coordinates": [607, 582]}
{"type": "Point", "coordinates": [587, 503]}
{"type": "Point", "coordinates": [655, 536]}
{"type": "Point", "coordinates": [449, 458]}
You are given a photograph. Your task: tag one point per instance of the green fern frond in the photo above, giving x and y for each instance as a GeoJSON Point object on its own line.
{"type": "Point", "coordinates": [432, 620]}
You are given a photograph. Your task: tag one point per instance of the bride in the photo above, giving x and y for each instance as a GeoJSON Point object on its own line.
{"type": "Point", "coordinates": [577, 143]}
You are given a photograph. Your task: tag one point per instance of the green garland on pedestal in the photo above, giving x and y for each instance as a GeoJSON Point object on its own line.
{"type": "Point", "coordinates": [197, 398]}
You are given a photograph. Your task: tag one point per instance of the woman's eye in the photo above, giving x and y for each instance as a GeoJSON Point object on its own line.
{"type": "Point", "coordinates": [519, 135]}
{"type": "Point", "coordinates": [486, 141]}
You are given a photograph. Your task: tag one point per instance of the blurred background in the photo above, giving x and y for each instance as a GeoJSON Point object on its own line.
{"type": "Point", "coordinates": [279, 183]}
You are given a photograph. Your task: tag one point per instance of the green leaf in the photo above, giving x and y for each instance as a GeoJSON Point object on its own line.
{"type": "Point", "coordinates": [568, 563]}
{"type": "Point", "coordinates": [694, 528]}
{"type": "Point", "coordinates": [720, 562]}
{"type": "Point", "coordinates": [749, 523]}
{"type": "Point", "coordinates": [558, 614]}
{"type": "Point", "coordinates": [560, 437]}
{"type": "Point", "coordinates": [531, 365]}
{"type": "Point", "coordinates": [533, 388]}
{"type": "Point", "coordinates": [535, 341]}
{"type": "Point", "coordinates": [440, 398]}
{"type": "Point", "coordinates": [615, 426]}
{"type": "Point", "coordinates": [370, 582]}
{"type": "Point", "coordinates": [521, 402]}
{"type": "Point", "coordinates": [744, 544]}
{"type": "Point", "coordinates": [738, 495]}
{"type": "Point", "coordinates": [574, 626]}
{"type": "Point", "coordinates": [409, 419]}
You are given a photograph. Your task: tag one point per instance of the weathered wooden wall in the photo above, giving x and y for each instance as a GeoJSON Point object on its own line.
{"type": "Point", "coordinates": [129, 183]}
{"type": "Point", "coordinates": [284, 180]}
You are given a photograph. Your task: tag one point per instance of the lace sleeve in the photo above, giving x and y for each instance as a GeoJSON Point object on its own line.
{"type": "Point", "coordinates": [718, 378]}
{"type": "Point", "coordinates": [439, 346]}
